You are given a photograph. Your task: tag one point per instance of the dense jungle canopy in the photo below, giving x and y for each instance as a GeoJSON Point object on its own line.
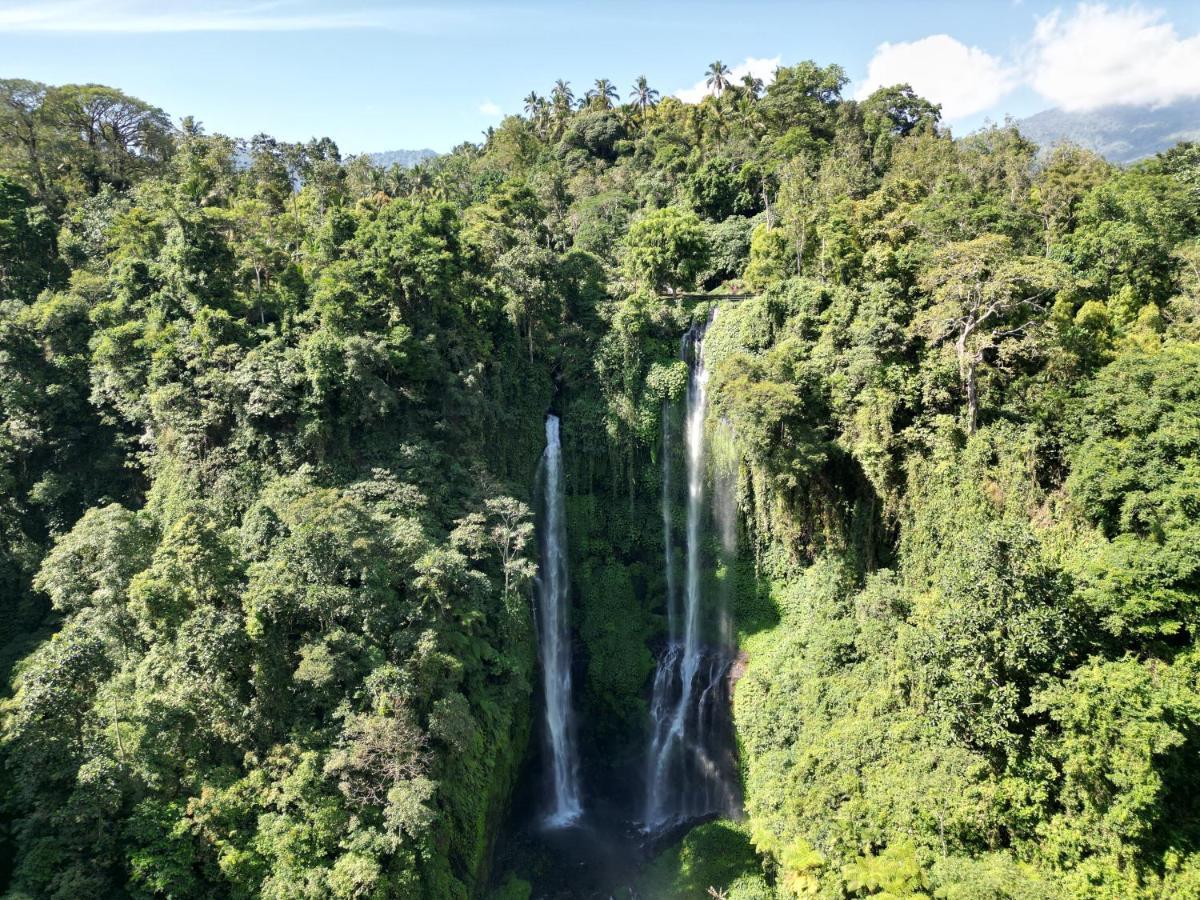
{"type": "Point", "coordinates": [271, 419]}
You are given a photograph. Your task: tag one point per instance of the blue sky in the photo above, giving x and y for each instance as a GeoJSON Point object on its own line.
{"type": "Point", "coordinates": [377, 76]}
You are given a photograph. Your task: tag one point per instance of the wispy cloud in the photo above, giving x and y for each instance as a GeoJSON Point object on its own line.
{"type": "Point", "coordinates": [147, 17]}
{"type": "Point", "coordinates": [490, 109]}
{"type": "Point", "coordinates": [758, 67]}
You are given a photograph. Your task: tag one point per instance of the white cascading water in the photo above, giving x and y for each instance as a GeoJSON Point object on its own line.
{"type": "Point", "coordinates": [554, 638]}
{"type": "Point", "coordinates": [689, 765]}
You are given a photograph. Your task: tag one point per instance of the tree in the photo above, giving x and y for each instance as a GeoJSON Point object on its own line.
{"type": "Point", "coordinates": [23, 130]}
{"type": "Point", "coordinates": [894, 874]}
{"type": "Point", "coordinates": [92, 566]}
{"type": "Point", "coordinates": [799, 205]}
{"type": "Point", "coordinates": [113, 137]}
{"type": "Point", "coordinates": [983, 293]}
{"type": "Point", "coordinates": [510, 534]}
{"type": "Point", "coordinates": [801, 101]}
{"type": "Point", "coordinates": [1121, 742]}
{"type": "Point", "coordinates": [666, 249]}
{"type": "Point", "coordinates": [562, 100]}
{"type": "Point", "coordinates": [1125, 229]}
{"type": "Point", "coordinates": [603, 95]}
{"type": "Point", "coordinates": [770, 258]}
{"type": "Point", "coordinates": [717, 77]}
{"type": "Point", "coordinates": [899, 110]}
{"type": "Point", "coordinates": [1062, 182]}
{"type": "Point", "coordinates": [380, 751]}
{"type": "Point", "coordinates": [643, 96]}
{"type": "Point", "coordinates": [752, 86]}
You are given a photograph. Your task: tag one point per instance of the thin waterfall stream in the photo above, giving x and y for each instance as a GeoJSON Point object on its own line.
{"type": "Point", "coordinates": [690, 771]}
{"type": "Point", "coordinates": [554, 637]}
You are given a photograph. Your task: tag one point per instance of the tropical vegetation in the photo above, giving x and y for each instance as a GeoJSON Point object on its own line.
{"type": "Point", "coordinates": [271, 423]}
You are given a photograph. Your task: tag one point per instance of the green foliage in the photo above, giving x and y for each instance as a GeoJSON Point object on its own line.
{"type": "Point", "coordinates": [618, 663]}
{"type": "Point", "coordinates": [667, 249]}
{"type": "Point", "coordinates": [513, 889]}
{"type": "Point", "coordinates": [1134, 474]}
{"type": "Point", "coordinates": [271, 418]}
{"type": "Point", "coordinates": [769, 258]}
{"type": "Point", "coordinates": [895, 874]}
{"type": "Point", "coordinates": [1123, 726]}
{"type": "Point", "coordinates": [714, 857]}
{"type": "Point", "coordinates": [27, 245]}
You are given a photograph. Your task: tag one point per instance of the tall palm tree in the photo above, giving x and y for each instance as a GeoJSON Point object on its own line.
{"type": "Point", "coordinates": [562, 98]}
{"type": "Point", "coordinates": [751, 85]}
{"type": "Point", "coordinates": [397, 182]}
{"type": "Point", "coordinates": [443, 183]}
{"type": "Point", "coordinates": [642, 95]}
{"type": "Point", "coordinates": [603, 94]}
{"type": "Point", "coordinates": [537, 110]}
{"type": "Point", "coordinates": [717, 77]}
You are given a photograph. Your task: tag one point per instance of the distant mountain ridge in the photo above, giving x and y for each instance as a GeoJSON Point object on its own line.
{"type": "Point", "coordinates": [1121, 134]}
{"type": "Point", "coordinates": [405, 158]}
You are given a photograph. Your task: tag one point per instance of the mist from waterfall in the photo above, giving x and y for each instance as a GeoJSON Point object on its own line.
{"type": "Point", "coordinates": [690, 770]}
{"type": "Point", "coordinates": [554, 637]}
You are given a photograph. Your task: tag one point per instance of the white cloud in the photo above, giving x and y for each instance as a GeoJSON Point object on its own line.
{"type": "Point", "coordinates": [1099, 56]}
{"type": "Point", "coordinates": [490, 109]}
{"type": "Point", "coordinates": [149, 17]}
{"type": "Point", "coordinates": [1096, 55]}
{"type": "Point", "coordinates": [964, 80]}
{"type": "Point", "coordinates": [759, 68]}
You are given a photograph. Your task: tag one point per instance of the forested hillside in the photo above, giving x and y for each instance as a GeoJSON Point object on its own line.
{"type": "Point", "coordinates": [271, 425]}
{"type": "Point", "coordinates": [1121, 134]}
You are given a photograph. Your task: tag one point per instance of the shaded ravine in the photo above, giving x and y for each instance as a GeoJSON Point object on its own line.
{"type": "Point", "coordinates": [582, 826]}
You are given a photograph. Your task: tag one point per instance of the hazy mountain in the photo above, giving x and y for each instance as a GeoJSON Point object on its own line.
{"type": "Point", "coordinates": [405, 158]}
{"type": "Point", "coordinates": [1121, 134]}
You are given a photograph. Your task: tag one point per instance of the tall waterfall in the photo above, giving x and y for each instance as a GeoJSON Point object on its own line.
{"type": "Point", "coordinates": [690, 768]}
{"type": "Point", "coordinates": [554, 637]}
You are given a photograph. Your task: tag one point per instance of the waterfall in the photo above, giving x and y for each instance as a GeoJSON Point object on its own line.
{"type": "Point", "coordinates": [690, 770]}
{"type": "Point", "coordinates": [554, 637]}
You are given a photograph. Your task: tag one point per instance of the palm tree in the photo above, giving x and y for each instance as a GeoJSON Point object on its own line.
{"type": "Point", "coordinates": [443, 185]}
{"type": "Point", "coordinates": [751, 85]}
{"type": "Point", "coordinates": [642, 95]}
{"type": "Point", "coordinates": [718, 77]}
{"type": "Point", "coordinates": [421, 180]}
{"type": "Point", "coordinates": [562, 98]}
{"type": "Point", "coordinates": [397, 182]}
{"type": "Point", "coordinates": [603, 94]}
{"type": "Point", "coordinates": [537, 110]}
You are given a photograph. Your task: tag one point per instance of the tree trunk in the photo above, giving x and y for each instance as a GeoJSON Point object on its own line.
{"type": "Point", "coordinates": [35, 165]}
{"type": "Point", "coordinates": [966, 372]}
{"type": "Point", "coordinates": [972, 398]}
